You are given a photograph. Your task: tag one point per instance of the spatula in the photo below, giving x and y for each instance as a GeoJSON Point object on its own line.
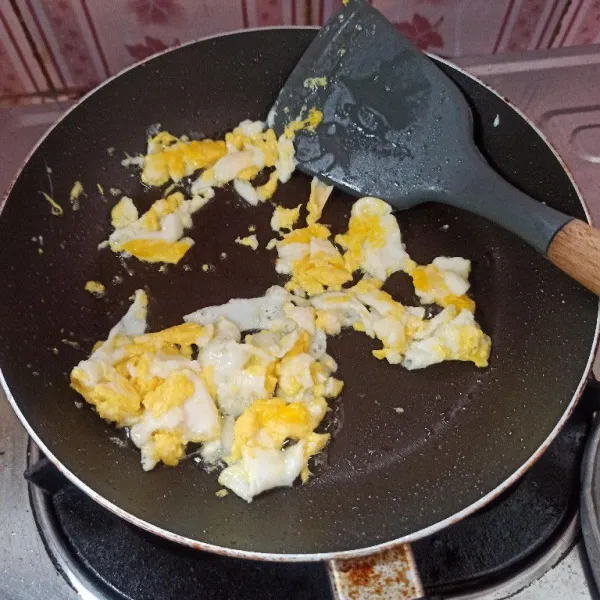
{"type": "Point", "coordinates": [396, 127]}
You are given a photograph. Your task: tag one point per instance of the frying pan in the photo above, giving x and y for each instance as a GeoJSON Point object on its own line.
{"type": "Point", "coordinates": [464, 435]}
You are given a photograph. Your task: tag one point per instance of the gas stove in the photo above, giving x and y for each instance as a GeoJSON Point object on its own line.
{"type": "Point", "coordinates": [55, 543]}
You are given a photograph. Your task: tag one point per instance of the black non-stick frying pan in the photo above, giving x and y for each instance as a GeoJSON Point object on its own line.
{"type": "Point", "coordinates": [465, 433]}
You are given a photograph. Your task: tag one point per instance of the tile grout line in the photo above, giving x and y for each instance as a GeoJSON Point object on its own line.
{"type": "Point", "coordinates": [33, 46]}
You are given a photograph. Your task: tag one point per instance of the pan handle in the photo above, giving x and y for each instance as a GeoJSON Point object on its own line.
{"type": "Point", "coordinates": [576, 250]}
{"type": "Point", "coordinates": [387, 574]}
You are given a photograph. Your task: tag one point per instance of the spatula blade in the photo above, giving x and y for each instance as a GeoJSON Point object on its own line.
{"type": "Point", "coordinates": [383, 103]}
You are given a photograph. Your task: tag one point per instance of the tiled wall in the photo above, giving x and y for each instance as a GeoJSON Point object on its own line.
{"type": "Point", "coordinates": [50, 47]}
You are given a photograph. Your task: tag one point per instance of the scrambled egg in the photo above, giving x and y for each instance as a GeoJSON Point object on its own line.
{"type": "Point", "coordinates": [313, 262]}
{"type": "Point", "coordinates": [307, 254]}
{"type": "Point", "coordinates": [75, 194]}
{"type": "Point", "coordinates": [372, 242]}
{"type": "Point", "coordinates": [407, 337]}
{"type": "Point", "coordinates": [250, 380]}
{"type": "Point", "coordinates": [319, 194]}
{"type": "Point", "coordinates": [250, 148]}
{"type": "Point", "coordinates": [253, 405]}
{"type": "Point", "coordinates": [314, 118]}
{"type": "Point", "coordinates": [445, 282]}
{"type": "Point", "coordinates": [156, 236]}
{"type": "Point", "coordinates": [94, 287]}
{"type": "Point", "coordinates": [373, 245]}
{"type": "Point", "coordinates": [451, 335]}
{"type": "Point", "coordinates": [312, 83]}
{"type": "Point", "coordinates": [285, 218]}
{"type": "Point", "coordinates": [172, 158]}
{"type": "Point", "coordinates": [250, 240]}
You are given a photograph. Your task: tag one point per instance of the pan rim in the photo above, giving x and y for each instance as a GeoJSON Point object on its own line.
{"type": "Point", "coordinates": [318, 556]}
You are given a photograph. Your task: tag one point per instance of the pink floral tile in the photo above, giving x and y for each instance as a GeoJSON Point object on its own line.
{"type": "Point", "coordinates": [20, 73]}
{"type": "Point", "coordinates": [83, 41]}
{"type": "Point", "coordinates": [64, 34]}
{"type": "Point", "coordinates": [462, 27]}
{"type": "Point", "coordinates": [580, 25]}
{"type": "Point", "coordinates": [78, 43]}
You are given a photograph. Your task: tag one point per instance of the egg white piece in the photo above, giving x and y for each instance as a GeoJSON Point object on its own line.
{"type": "Point", "coordinates": [247, 191]}
{"type": "Point", "coordinates": [197, 417]}
{"type": "Point", "coordinates": [341, 309]}
{"type": "Point", "coordinates": [261, 470]}
{"type": "Point", "coordinates": [247, 313]}
{"type": "Point", "coordinates": [236, 387]}
{"type": "Point", "coordinates": [285, 165]}
{"type": "Point", "coordinates": [455, 275]}
{"type": "Point", "coordinates": [251, 128]}
{"type": "Point", "coordinates": [392, 257]}
{"type": "Point", "coordinates": [164, 365]}
{"type": "Point", "coordinates": [230, 165]}
{"type": "Point", "coordinates": [277, 343]}
{"type": "Point", "coordinates": [201, 418]}
{"type": "Point", "coordinates": [383, 256]}
{"type": "Point", "coordinates": [134, 321]}
{"type": "Point", "coordinates": [107, 354]}
{"type": "Point", "coordinates": [141, 433]}
{"type": "Point", "coordinates": [318, 344]}
{"type": "Point", "coordinates": [172, 224]}
{"type": "Point", "coordinates": [441, 339]}
{"type": "Point", "coordinates": [288, 254]}
{"type": "Point", "coordinates": [303, 316]}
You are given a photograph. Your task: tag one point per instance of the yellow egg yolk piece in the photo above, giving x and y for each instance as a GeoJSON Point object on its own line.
{"type": "Point", "coordinates": [171, 393]}
{"type": "Point", "coordinates": [124, 213]}
{"type": "Point", "coordinates": [285, 218]}
{"type": "Point", "coordinates": [116, 399]}
{"type": "Point", "coordinates": [75, 194]}
{"type": "Point", "coordinates": [319, 193]}
{"type": "Point", "coordinates": [248, 173]}
{"type": "Point", "coordinates": [94, 287]}
{"type": "Point", "coordinates": [474, 346]}
{"type": "Point", "coordinates": [172, 159]}
{"type": "Point", "coordinates": [185, 334]}
{"type": "Point", "coordinates": [364, 232]}
{"type": "Point", "coordinates": [158, 250]}
{"type": "Point", "coordinates": [315, 116]}
{"type": "Point", "coordinates": [168, 447]}
{"type": "Point", "coordinates": [267, 190]}
{"type": "Point", "coordinates": [250, 241]}
{"type": "Point", "coordinates": [429, 280]}
{"type": "Point", "coordinates": [303, 236]}
{"type": "Point", "coordinates": [312, 83]}
{"type": "Point", "coordinates": [275, 420]}
{"type": "Point", "coordinates": [316, 273]}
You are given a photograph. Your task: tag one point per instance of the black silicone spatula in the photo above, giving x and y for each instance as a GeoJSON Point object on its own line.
{"type": "Point", "coordinates": [395, 127]}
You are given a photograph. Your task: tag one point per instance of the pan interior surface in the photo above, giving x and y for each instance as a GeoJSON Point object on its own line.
{"type": "Point", "coordinates": [462, 432]}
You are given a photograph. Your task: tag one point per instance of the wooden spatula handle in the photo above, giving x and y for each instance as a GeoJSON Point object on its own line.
{"type": "Point", "coordinates": [576, 250]}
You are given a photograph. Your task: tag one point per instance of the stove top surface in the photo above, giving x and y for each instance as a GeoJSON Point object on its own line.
{"type": "Point", "coordinates": [119, 561]}
{"type": "Point", "coordinates": [105, 558]}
